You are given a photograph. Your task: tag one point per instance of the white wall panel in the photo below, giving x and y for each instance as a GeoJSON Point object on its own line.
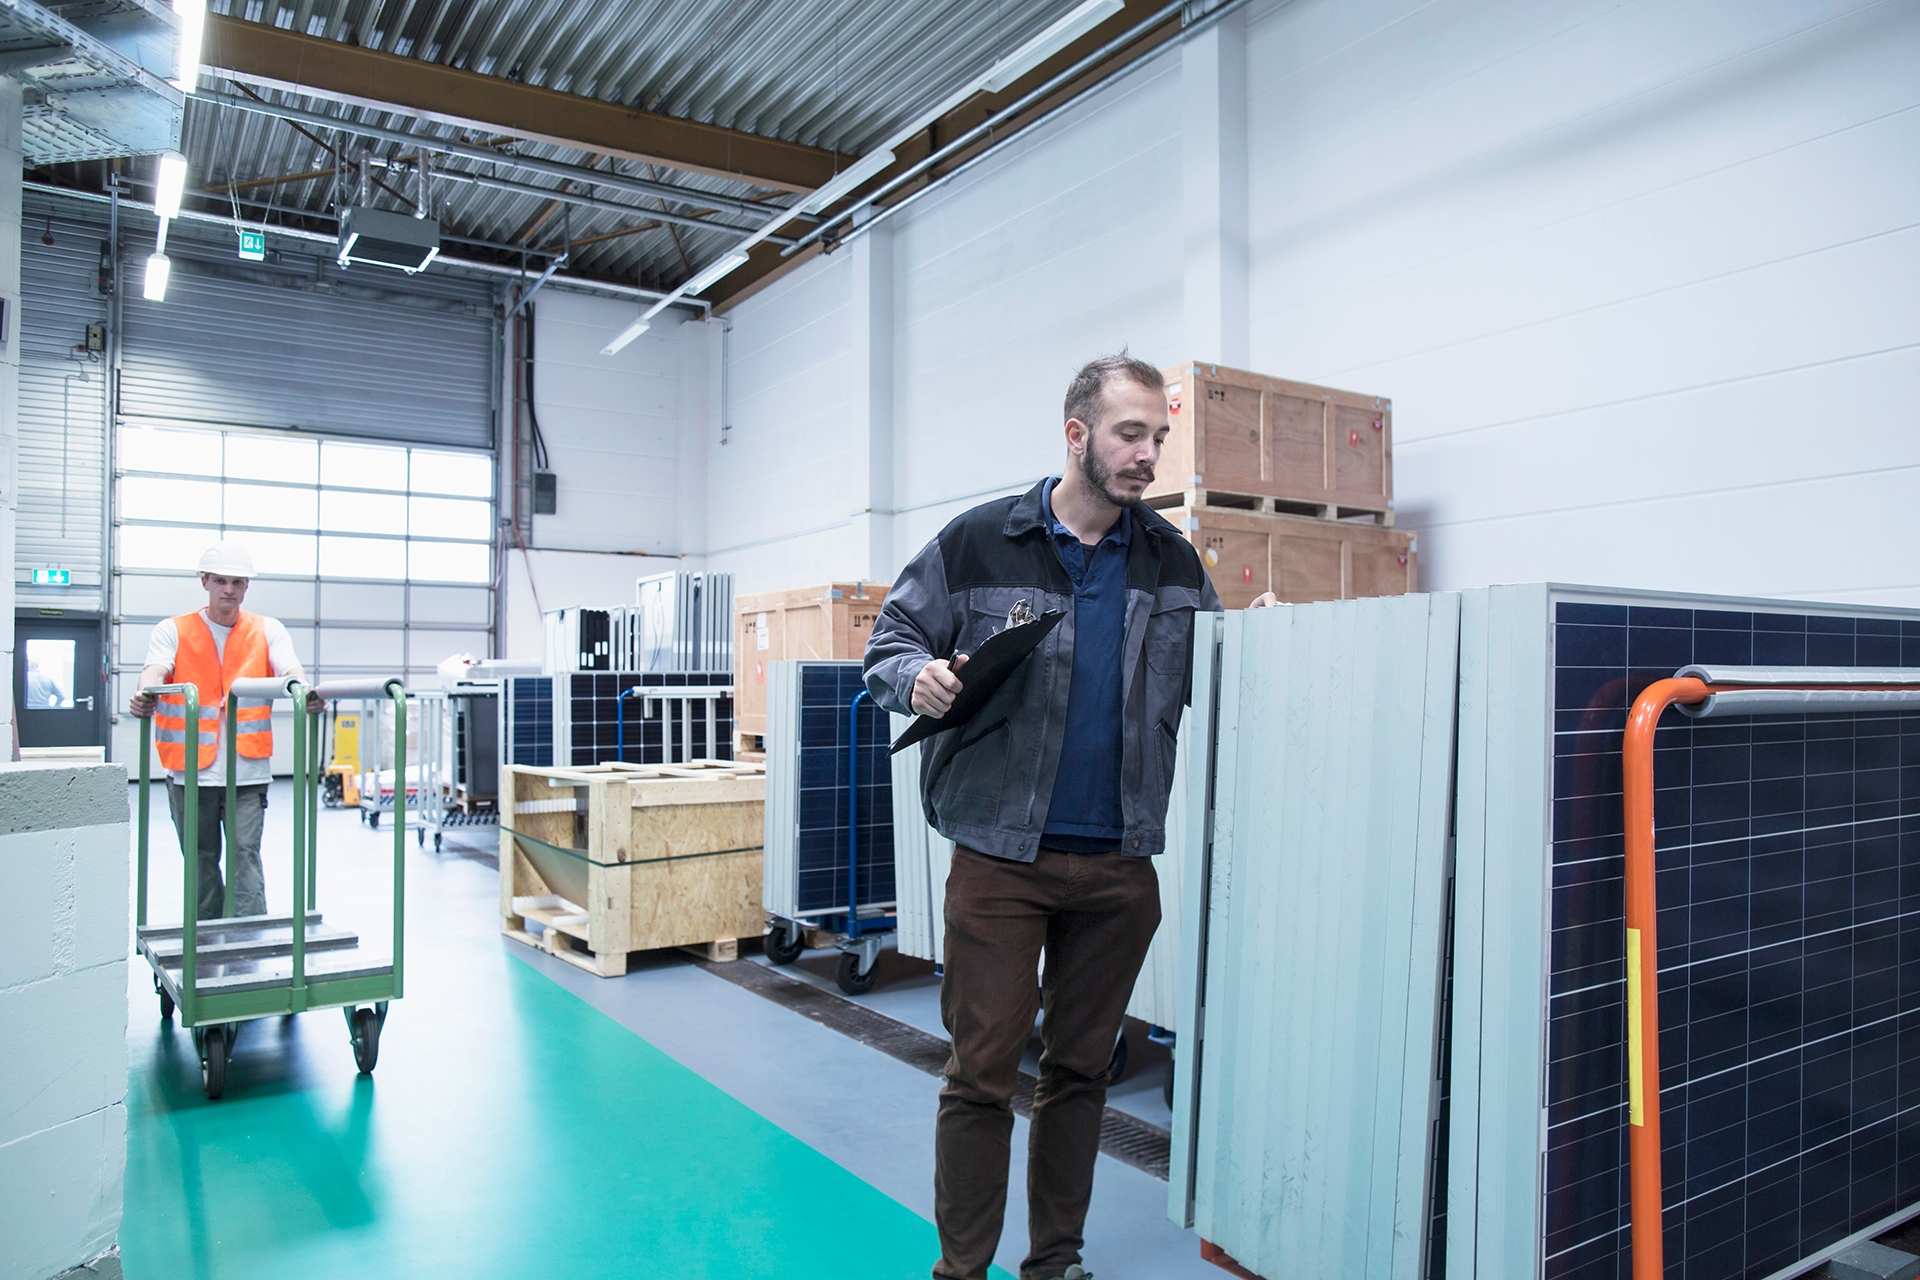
{"type": "Point", "coordinates": [1631, 275]}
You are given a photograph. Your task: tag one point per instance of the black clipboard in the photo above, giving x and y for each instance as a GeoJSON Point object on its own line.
{"type": "Point", "coordinates": [986, 670]}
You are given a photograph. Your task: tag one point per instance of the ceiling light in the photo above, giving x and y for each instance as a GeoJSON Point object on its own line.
{"type": "Point", "coordinates": [627, 335]}
{"type": "Point", "coordinates": [864, 168]}
{"type": "Point", "coordinates": [159, 267]}
{"type": "Point", "coordinates": [170, 184]}
{"type": "Point", "coordinates": [714, 271]}
{"type": "Point", "coordinates": [1048, 42]}
{"type": "Point", "coordinates": [193, 25]}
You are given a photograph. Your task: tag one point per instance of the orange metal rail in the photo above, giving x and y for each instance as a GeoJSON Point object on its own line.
{"type": "Point", "coordinates": [1643, 999]}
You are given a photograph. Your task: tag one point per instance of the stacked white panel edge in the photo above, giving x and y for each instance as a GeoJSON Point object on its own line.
{"type": "Point", "coordinates": [1303, 1111]}
{"type": "Point", "coordinates": [922, 857]}
{"type": "Point", "coordinates": [684, 622]}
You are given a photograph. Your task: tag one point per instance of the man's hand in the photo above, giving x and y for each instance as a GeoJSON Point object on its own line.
{"type": "Point", "coordinates": [935, 688]}
{"type": "Point", "coordinates": [1266, 600]}
{"type": "Point", "coordinates": [141, 704]}
{"type": "Point", "coordinates": [315, 704]}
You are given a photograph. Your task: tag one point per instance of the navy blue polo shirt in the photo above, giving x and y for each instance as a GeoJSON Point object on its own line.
{"type": "Point", "coordinates": [1084, 815]}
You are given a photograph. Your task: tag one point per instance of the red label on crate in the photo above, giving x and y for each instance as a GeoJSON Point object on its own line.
{"type": "Point", "coordinates": [1378, 425]}
{"type": "Point", "coordinates": [760, 668]}
{"type": "Point", "coordinates": [1173, 405]}
{"type": "Point", "coordinates": [1353, 438]}
{"type": "Point", "coordinates": [1403, 559]}
{"type": "Point", "coordinates": [1246, 573]}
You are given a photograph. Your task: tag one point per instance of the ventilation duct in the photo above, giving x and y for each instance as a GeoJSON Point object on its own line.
{"type": "Point", "coordinates": [380, 238]}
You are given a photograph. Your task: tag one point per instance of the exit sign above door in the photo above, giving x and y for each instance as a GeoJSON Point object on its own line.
{"type": "Point", "coordinates": [253, 245]}
{"type": "Point", "coordinates": [52, 578]}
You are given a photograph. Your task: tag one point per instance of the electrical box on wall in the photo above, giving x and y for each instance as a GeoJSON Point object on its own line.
{"type": "Point", "coordinates": [96, 337]}
{"type": "Point", "coordinates": [546, 493]}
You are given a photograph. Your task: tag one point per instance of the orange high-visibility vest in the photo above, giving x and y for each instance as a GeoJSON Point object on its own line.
{"type": "Point", "coordinates": [213, 671]}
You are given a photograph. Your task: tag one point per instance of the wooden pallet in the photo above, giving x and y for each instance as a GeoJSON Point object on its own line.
{"type": "Point", "coordinates": [1380, 514]}
{"type": "Point", "coordinates": [657, 855]}
{"type": "Point", "coordinates": [749, 746]}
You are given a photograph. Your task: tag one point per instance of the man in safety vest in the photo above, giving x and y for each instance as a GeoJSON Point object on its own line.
{"type": "Point", "coordinates": [211, 648]}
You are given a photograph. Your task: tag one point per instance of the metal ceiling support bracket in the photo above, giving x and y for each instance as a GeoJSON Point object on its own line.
{"type": "Point", "coordinates": [93, 50]}
{"type": "Point", "coordinates": [487, 155]}
{"type": "Point", "coordinates": [289, 60]}
{"type": "Point", "coordinates": [536, 286]}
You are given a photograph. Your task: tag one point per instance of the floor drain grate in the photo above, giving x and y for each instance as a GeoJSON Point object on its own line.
{"type": "Point", "coordinates": [1126, 1138]}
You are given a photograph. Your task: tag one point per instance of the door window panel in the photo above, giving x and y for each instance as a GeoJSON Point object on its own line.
{"type": "Point", "coordinates": [193, 453]}
{"type": "Point", "coordinates": [342, 512]}
{"type": "Point", "coordinates": [448, 562]}
{"type": "Point", "coordinates": [50, 674]}
{"type": "Point", "coordinates": [283, 458]}
{"type": "Point", "coordinates": [466, 475]}
{"type": "Point", "coordinates": [281, 554]}
{"type": "Point", "coordinates": [363, 558]}
{"type": "Point", "coordinates": [272, 506]}
{"type": "Point", "coordinates": [362, 466]}
{"type": "Point", "coordinates": [147, 546]}
{"type": "Point", "coordinates": [448, 518]}
{"type": "Point", "coordinates": [165, 498]}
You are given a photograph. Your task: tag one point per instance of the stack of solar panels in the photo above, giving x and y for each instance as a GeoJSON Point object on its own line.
{"type": "Point", "coordinates": [809, 767]}
{"type": "Point", "coordinates": [581, 718]}
{"type": "Point", "coordinates": [1788, 923]}
{"type": "Point", "coordinates": [681, 621]}
{"type": "Point", "coordinates": [583, 639]}
{"type": "Point", "coordinates": [1304, 1122]}
{"type": "Point", "coordinates": [922, 857]}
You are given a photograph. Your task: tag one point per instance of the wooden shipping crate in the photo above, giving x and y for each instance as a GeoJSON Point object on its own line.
{"type": "Point", "coordinates": [1298, 558]}
{"type": "Point", "coordinates": [654, 855]}
{"type": "Point", "coordinates": [833, 620]}
{"type": "Point", "coordinates": [1300, 449]}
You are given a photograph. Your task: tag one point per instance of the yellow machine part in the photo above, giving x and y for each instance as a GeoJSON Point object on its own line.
{"type": "Point", "coordinates": [346, 757]}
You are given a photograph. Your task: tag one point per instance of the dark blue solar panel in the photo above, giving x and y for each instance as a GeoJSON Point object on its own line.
{"type": "Point", "coordinates": [1788, 873]}
{"type": "Point", "coordinates": [650, 735]}
{"type": "Point", "coordinates": [530, 721]}
{"type": "Point", "coordinates": [826, 689]}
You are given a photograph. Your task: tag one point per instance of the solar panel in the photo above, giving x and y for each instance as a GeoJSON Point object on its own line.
{"type": "Point", "coordinates": [1788, 883]}
{"type": "Point", "coordinates": [807, 793]}
{"type": "Point", "coordinates": [576, 719]}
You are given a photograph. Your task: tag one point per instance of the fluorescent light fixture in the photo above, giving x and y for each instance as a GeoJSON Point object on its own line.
{"type": "Point", "coordinates": [1049, 42]}
{"type": "Point", "coordinates": [627, 335]}
{"type": "Point", "coordinates": [716, 269]}
{"type": "Point", "coordinates": [864, 168]}
{"type": "Point", "coordinates": [170, 184]}
{"type": "Point", "coordinates": [193, 26]}
{"type": "Point", "coordinates": [159, 267]}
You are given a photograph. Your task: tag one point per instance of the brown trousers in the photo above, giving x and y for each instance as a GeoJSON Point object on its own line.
{"type": "Point", "coordinates": [1094, 914]}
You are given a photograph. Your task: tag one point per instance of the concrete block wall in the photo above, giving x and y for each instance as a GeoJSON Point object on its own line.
{"type": "Point", "coordinates": [63, 1003]}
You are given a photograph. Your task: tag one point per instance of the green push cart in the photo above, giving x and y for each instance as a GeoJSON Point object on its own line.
{"type": "Point", "coordinates": [221, 973]}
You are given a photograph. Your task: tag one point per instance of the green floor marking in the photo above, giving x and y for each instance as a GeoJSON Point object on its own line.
{"type": "Point", "coordinates": [519, 1131]}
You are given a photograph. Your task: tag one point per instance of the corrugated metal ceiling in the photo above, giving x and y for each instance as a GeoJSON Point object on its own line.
{"type": "Point", "coordinates": [838, 74]}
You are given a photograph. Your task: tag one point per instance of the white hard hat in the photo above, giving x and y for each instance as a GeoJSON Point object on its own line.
{"type": "Point", "coordinates": [228, 558]}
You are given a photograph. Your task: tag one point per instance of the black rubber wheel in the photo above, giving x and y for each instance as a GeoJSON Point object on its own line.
{"type": "Point", "coordinates": [365, 1033]}
{"type": "Point", "coordinates": [373, 819]}
{"type": "Point", "coordinates": [1167, 1089]}
{"type": "Point", "coordinates": [782, 947]}
{"type": "Point", "coordinates": [852, 981]}
{"type": "Point", "coordinates": [213, 1062]}
{"type": "Point", "coordinates": [166, 1005]}
{"type": "Point", "coordinates": [436, 842]}
{"type": "Point", "coordinates": [1117, 1064]}
{"type": "Point", "coordinates": [419, 834]}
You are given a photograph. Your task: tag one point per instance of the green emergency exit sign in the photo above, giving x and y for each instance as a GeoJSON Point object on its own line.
{"type": "Point", "coordinates": [51, 578]}
{"type": "Point", "coordinates": [253, 245]}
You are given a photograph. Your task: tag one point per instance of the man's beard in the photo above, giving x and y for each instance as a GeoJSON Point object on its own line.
{"type": "Point", "coordinates": [1101, 477]}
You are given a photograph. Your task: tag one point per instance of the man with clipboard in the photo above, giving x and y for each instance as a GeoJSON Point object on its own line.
{"type": "Point", "coordinates": [1051, 776]}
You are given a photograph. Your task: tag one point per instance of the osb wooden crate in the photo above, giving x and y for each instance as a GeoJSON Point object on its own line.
{"type": "Point", "coordinates": [1298, 558]}
{"type": "Point", "coordinates": [832, 620]}
{"type": "Point", "coordinates": [1290, 447]}
{"type": "Point", "coordinates": [654, 855]}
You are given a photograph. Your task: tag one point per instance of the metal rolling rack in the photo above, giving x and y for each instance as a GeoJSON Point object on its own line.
{"type": "Point", "coordinates": [221, 973]}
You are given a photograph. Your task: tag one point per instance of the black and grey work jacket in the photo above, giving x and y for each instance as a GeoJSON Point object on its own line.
{"type": "Point", "coordinates": [987, 785]}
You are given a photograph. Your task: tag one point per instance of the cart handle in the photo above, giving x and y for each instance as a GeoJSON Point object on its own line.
{"type": "Point", "coordinates": [189, 932]}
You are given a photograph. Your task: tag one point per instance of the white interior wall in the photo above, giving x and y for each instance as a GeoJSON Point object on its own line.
{"type": "Point", "coordinates": [1643, 281]}
{"type": "Point", "coordinates": [623, 435]}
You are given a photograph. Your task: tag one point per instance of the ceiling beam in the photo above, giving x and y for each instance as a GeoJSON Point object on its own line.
{"type": "Point", "coordinates": [316, 67]}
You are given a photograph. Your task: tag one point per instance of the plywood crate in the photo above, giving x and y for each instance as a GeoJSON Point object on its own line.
{"type": "Point", "coordinates": [1274, 445]}
{"type": "Point", "coordinates": [1298, 558]}
{"type": "Point", "coordinates": [653, 855]}
{"type": "Point", "coordinates": [833, 620]}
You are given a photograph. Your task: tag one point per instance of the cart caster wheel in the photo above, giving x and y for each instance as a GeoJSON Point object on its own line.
{"type": "Point", "coordinates": [436, 842]}
{"type": "Point", "coordinates": [1117, 1064]}
{"type": "Point", "coordinates": [373, 820]}
{"type": "Point", "coordinates": [213, 1062]}
{"type": "Point", "coordinates": [166, 1007]}
{"type": "Point", "coordinates": [1167, 1089]}
{"type": "Point", "coordinates": [365, 1033]}
{"type": "Point", "coordinates": [420, 837]}
{"type": "Point", "coordinates": [851, 980]}
{"type": "Point", "coordinates": [783, 947]}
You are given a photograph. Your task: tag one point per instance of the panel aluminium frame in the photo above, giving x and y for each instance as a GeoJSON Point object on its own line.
{"type": "Point", "coordinates": [1334, 741]}
{"type": "Point", "coordinates": [780, 886]}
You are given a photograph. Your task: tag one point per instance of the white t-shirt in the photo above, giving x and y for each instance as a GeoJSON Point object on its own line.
{"type": "Point", "coordinates": [160, 653]}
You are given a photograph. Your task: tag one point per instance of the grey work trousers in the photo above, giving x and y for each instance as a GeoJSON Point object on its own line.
{"type": "Point", "coordinates": [243, 859]}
